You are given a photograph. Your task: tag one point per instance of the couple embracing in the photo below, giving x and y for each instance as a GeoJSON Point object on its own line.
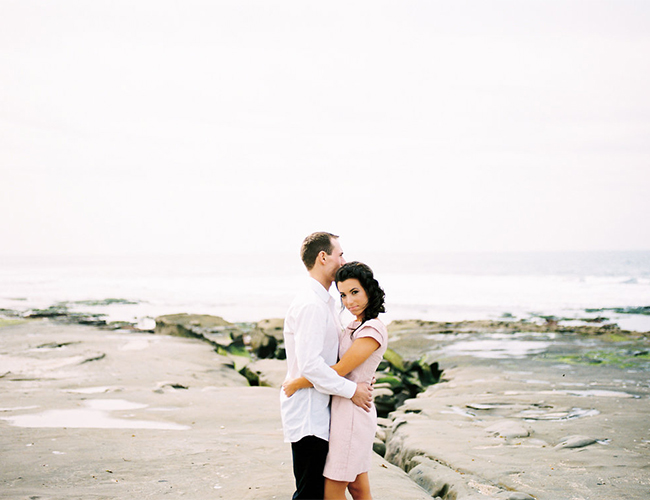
{"type": "Point", "coordinates": [331, 443]}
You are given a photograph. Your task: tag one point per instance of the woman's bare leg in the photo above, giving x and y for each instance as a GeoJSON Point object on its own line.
{"type": "Point", "coordinates": [335, 490]}
{"type": "Point", "coordinates": [360, 487]}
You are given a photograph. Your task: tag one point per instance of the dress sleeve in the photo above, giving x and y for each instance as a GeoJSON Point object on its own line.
{"type": "Point", "coordinates": [374, 329]}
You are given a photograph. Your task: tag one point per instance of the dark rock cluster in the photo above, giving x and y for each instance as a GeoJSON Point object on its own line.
{"type": "Point", "coordinates": [61, 312]}
{"type": "Point", "coordinates": [399, 379]}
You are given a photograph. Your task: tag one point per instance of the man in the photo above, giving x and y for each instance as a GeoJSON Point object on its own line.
{"type": "Point", "coordinates": [311, 330]}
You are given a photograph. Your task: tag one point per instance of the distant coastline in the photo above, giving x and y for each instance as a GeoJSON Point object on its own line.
{"type": "Point", "coordinates": [570, 286]}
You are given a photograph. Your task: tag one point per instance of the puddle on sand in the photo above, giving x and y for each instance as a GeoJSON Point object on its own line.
{"type": "Point", "coordinates": [135, 345]}
{"type": "Point", "coordinates": [599, 393]}
{"type": "Point", "coordinates": [94, 416]}
{"type": "Point", "coordinates": [496, 348]}
{"type": "Point", "coordinates": [18, 408]}
{"type": "Point", "coordinates": [91, 390]}
{"type": "Point", "coordinates": [455, 410]}
{"type": "Point", "coordinates": [573, 413]}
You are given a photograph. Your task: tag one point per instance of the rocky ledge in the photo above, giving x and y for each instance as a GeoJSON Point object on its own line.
{"type": "Point", "coordinates": [253, 346]}
{"type": "Point", "coordinates": [91, 413]}
{"type": "Point", "coordinates": [525, 412]}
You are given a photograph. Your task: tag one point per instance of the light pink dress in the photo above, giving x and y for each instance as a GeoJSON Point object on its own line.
{"type": "Point", "coordinates": [352, 429]}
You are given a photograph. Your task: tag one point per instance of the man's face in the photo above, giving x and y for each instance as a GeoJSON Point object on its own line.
{"type": "Point", "coordinates": [335, 260]}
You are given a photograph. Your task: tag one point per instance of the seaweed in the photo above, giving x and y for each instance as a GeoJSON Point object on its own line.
{"type": "Point", "coordinates": [644, 310]}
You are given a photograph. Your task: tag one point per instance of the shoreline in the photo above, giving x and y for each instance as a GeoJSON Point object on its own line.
{"type": "Point", "coordinates": [404, 374]}
{"type": "Point", "coordinates": [599, 318]}
{"type": "Point", "coordinates": [430, 287]}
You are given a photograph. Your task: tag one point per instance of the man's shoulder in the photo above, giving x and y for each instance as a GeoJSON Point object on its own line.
{"type": "Point", "coordinates": [305, 307]}
{"type": "Point", "coordinates": [305, 295]}
{"type": "Point", "coordinates": [304, 301]}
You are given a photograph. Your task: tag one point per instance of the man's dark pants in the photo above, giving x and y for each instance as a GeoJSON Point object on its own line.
{"type": "Point", "coordinates": [309, 456]}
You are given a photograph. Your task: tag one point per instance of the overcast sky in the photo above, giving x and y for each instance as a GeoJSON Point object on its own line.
{"type": "Point", "coordinates": [209, 127]}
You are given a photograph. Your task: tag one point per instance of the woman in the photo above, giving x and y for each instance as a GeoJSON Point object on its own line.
{"type": "Point", "coordinates": [361, 347]}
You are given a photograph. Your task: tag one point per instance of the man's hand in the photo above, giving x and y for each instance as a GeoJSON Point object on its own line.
{"type": "Point", "coordinates": [363, 396]}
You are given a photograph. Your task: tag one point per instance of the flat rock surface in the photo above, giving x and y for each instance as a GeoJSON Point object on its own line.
{"type": "Point", "coordinates": [527, 427]}
{"type": "Point", "coordinates": [86, 413]}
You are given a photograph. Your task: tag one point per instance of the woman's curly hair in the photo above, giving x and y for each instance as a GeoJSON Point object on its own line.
{"type": "Point", "coordinates": [363, 273]}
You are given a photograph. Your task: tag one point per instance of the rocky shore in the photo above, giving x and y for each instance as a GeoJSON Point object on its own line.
{"type": "Point", "coordinates": [541, 411]}
{"type": "Point", "coordinates": [87, 413]}
{"type": "Point", "coordinates": [474, 410]}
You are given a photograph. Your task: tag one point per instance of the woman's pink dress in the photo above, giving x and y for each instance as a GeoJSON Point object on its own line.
{"type": "Point", "coordinates": [352, 429]}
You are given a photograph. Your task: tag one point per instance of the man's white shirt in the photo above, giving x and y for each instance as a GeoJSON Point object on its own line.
{"type": "Point", "coordinates": [311, 340]}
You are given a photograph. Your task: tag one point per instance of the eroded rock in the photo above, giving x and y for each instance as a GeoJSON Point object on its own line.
{"type": "Point", "coordinates": [575, 442]}
{"type": "Point", "coordinates": [508, 429]}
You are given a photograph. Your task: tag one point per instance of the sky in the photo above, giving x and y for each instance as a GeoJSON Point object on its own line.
{"type": "Point", "coordinates": [206, 127]}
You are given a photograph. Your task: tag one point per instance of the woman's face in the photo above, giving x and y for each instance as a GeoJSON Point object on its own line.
{"type": "Point", "coordinates": [354, 297]}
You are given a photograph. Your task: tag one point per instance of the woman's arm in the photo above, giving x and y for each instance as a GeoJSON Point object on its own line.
{"type": "Point", "coordinates": [359, 351]}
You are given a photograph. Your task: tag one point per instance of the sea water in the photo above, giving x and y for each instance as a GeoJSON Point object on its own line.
{"type": "Point", "coordinates": [436, 286]}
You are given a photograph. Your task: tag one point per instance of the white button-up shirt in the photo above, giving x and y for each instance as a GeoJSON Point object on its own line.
{"type": "Point", "coordinates": [311, 339]}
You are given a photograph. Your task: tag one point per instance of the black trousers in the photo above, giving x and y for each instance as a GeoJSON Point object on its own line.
{"type": "Point", "coordinates": [309, 456]}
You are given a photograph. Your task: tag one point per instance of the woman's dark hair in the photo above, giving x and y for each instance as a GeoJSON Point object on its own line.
{"type": "Point", "coordinates": [363, 273]}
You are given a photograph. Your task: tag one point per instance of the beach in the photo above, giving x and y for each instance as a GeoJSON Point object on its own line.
{"type": "Point", "coordinates": [94, 413]}
{"type": "Point", "coordinates": [87, 413]}
{"type": "Point", "coordinates": [125, 377]}
{"type": "Point", "coordinates": [162, 164]}
{"type": "Point", "coordinates": [560, 414]}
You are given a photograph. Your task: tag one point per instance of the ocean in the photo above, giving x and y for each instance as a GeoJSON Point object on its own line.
{"type": "Point", "coordinates": [247, 288]}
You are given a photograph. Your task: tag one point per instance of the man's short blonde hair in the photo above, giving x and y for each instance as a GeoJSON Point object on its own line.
{"type": "Point", "coordinates": [314, 244]}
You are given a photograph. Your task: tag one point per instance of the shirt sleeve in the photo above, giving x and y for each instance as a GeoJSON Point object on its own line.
{"type": "Point", "coordinates": [310, 338]}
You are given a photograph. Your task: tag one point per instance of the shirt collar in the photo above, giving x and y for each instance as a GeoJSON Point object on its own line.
{"type": "Point", "coordinates": [323, 294]}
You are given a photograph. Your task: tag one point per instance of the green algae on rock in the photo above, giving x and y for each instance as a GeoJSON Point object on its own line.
{"type": "Point", "coordinates": [621, 358]}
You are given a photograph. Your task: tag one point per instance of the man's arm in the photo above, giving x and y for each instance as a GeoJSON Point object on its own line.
{"type": "Point", "coordinates": [359, 352]}
{"type": "Point", "coordinates": [309, 334]}
{"type": "Point", "coordinates": [362, 395]}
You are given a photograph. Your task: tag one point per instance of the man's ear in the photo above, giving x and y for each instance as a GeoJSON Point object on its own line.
{"type": "Point", "coordinates": [322, 256]}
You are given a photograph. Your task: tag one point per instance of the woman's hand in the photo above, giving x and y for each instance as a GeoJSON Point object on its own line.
{"type": "Point", "coordinates": [290, 387]}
